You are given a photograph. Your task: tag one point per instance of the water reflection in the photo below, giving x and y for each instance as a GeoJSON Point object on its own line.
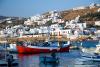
{"type": "Point", "coordinates": [42, 64]}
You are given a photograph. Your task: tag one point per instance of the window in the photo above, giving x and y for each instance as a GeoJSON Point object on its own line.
{"type": "Point", "coordinates": [68, 32]}
{"type": "Point", "coordinates": [63, 31]}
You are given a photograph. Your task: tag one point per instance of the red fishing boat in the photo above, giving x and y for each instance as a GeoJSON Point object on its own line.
{"type": "Point", "coordinates": [51, 46]}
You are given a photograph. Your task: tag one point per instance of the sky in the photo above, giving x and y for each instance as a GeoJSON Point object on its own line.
{"type": "Point", "coordinates": [28, 8]}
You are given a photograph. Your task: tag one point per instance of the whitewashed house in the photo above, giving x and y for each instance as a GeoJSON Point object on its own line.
{"type": "Point", "coordinates": [54, 19]}
{"type": "Point", "coordinates": [76, 23]}
{"type": "Point", "coordinates": [67, 32]}
{"type": "Point", "coordinates": [9, 22]}
{"type": "Point", "coordinates": [78, 8]}
{"type": "Point", "coordinates": [60, 20]}
{"type": "Point", "coordinates": [2, 32]}
{"type": "Point", "coordinates": [44, 30]}
{"type": "Point", "coordinates": [97, 33]}
{"type": "Point", "coordinates": [8, 19]}
{"type": "Point", "coordinates": [33, 31]}
{"type": "Point", "coordinates": [56, 31]}
{"type": "Point", "coordinates": [18, 27]}
{"type": "Point", "coordinates": [82, 25]}
{"type": "Point", "coordinates": [34, 19]}
{"type": "Point", "coordinates": [78, 32]}
{"type": "Point", "coordinates": [37, 17]}
{"type": "Point", "coordinates": [59, 31]}
{"type": "Point", "coordinates": [94, 5]}
{"type": "Point", "coordinates": [40, 22]}
{"type": "Point", "coordinates": [99, 10]}
{"type": "Point", "coordinates": [97, 23]}
{"type": "Point", "coordinates": [21, 32]}
{"type": "Point", "coordinates": [54, 26]}
{"type": "Point", "coordinates": [28, 22]}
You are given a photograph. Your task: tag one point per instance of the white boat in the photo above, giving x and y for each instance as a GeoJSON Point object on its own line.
{"type": "Point", "coordinates": [12, 48]}
{"type": "Point", "coordinates": [80, 61]}
{"type": "Point", "coordinates": [89, 56]}
{"type": "Point", "coordinates": [92, 50]}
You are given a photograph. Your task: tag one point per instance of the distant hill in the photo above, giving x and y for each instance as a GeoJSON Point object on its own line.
{"type": "Point", "coordinates": [5, 17]}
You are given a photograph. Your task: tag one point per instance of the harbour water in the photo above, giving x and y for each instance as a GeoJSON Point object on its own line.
{"type": "Point", "coordinates": [66, 58]}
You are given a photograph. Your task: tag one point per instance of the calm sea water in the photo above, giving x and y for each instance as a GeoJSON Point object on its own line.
{"type": "Point", "coordinates": [66, 58]}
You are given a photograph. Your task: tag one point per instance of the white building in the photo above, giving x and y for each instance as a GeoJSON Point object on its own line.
{"type": "Point", "coordinates": [33, 31]}
{"type": "Point", "coordinates": [54, 26]}
{"type": "Point", "coordinates": [99, 10]}
{"type": "Point", "coordinates": [33, 19]}
{"type": "Point", "coordinates": [94, 5]}
{"type": "Point", "coordinates": [18, 27]}
{"type": "Point", "coordinates": [56, 31]}
{"type": "Point", "coordinates": [78, 32]}
{"type": "Point", "coordinates": [37, 17]}
{"type": "Point", "coordinates": [8, 19]}
{"type": "Point", "coordinates": [44, 30]}
{"type": "Point", "coordinates": [28, 22]}
{"type": "Point", "coordinates": [78, 8]}
{"type": "Point", "coordinates": [9, 22]}
{"type": "Point", "coordinates": [97, 32]}
{"type": "Point", "coordinates": [60, 20]}
{"type": "Point", "coordinates": [97, 23]}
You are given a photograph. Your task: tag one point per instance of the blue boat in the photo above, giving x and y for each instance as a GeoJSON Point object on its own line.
{"type": "Point", "coordinates": [51, 58]}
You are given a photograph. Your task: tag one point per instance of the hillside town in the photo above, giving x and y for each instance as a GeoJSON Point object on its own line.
{"type": "Point", "coordinates": [72, 29]}
{"type": "Point", "coordinates": [68, 38]}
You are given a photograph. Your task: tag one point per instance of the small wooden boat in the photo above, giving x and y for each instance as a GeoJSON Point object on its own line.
{"type": "Point", "coordinates": [48, 59]}
{"type": "Point", "coordinates": [53, 58]}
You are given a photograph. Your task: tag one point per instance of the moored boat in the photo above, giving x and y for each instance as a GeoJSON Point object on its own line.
{"type": "Point", "coordinates": [49, 59]}
{"type": "Point", "coordinates": [8, 60]}
{"type": "Point", "coordinates": [80, 61]}
{"type": "Point", "coordinates": [92, 49]}
{"type": "Point", "coordinates": [89, 56]}
{"type": "Point", "coordinates": [12, 48]}
{"type": "Point", "coordinates": [53, 46]}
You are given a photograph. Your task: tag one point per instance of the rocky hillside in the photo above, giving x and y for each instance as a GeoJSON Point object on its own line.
{"type": "Point", "coordinates": [71, 14]}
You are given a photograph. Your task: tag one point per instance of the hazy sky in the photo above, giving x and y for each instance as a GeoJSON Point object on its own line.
{"type": "Point", "coordinates": [27, 8]}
